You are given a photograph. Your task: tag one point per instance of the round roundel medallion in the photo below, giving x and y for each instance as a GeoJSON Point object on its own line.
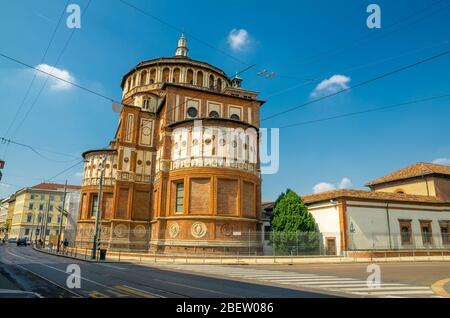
{"type": "Point", "coordinates": [226, 230]}
{"type": "Point", "coordinates": [198, 229]}
{"type": "Point", "coordinates": [146, 131]}
{"type": "Point", "coordinates": [120, 230]}
{"type": "Point", "coordinates": [139, 231]}
{"type": "Point", "coordinates": [174, 229]}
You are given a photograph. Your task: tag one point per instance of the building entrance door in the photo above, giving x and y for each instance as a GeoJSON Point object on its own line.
{"type": "Point", "coordinates": [331, 246]}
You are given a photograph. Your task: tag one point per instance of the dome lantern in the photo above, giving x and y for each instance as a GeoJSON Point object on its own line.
{"type": "Point", "coordinates": [182, 49]}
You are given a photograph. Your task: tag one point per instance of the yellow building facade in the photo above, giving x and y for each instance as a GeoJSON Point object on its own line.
{"type": "Point", "coordinates": [37, 212]}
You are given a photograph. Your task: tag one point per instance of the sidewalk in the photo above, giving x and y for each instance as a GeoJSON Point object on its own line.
{"type": "Point", "coordinates": [148, 258]}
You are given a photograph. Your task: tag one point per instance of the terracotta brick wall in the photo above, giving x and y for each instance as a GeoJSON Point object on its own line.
{"type": "Point", "coordinates": [107, 205]}
{"type": "Point", "coordinates": [141, 205]}
{"type": "Point", "coordinates": [227, 191]}
{"type": "Point", "coordinates": [248, 204]}
{"type": "Point", "coordinates": [122, 204]}
{"type": "Point", "coordinates": [199, 196]}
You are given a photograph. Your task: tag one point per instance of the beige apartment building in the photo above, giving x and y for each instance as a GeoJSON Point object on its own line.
{"type": "Point", "coordinates": [37, 209]}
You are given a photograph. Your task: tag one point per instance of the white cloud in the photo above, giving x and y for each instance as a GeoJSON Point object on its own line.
{"type": "Point", "coordinates": [442, 161]}
{"type": "Point", "coordinates": [333, 84]}
{"type": "Point", "coordinates": [345, 183]}
{"type": "Point", "coordinates": [238, 40]}
{"type": "Point", "coordinates": [323, 187]}
{"type": "Point", "coordinates": [56, 84]}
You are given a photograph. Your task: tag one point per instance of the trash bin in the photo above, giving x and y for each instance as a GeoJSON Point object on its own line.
{"type": "Point", "coordinates": [102, 254]}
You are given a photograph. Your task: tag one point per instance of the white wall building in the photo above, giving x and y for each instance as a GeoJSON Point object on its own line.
{"type": "Point", "coordinates": [408, 210]}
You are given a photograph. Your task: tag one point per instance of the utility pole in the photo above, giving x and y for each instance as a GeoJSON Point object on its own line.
{"type": "Point", "coordinates": [44, 232]}
{"type": "Point", "coordinates": [61, 217]}
{"type": "Point", "coordinates": [98, 213]}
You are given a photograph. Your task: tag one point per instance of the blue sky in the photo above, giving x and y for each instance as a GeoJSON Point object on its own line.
{"type": "Point", "coordinates": [296, 39]}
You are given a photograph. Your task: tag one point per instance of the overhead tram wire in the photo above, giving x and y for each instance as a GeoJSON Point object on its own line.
{"type": "Point", "coordinates": [194, 37]}
{"type": "Point", "coordinates": [375, 36]}
{"type": "Point", "coordinates": [34, 149]}
{"type": "Point", "coordinates": [52, 37]}
{"type": "Point", "coordinates": [46, 80]}
{"type": "Point", "coordinates": [363, 83]}
{"type": "Point", "coordinates": [370, 110]}
{"type": "Point", "coordinates": [357, 67]}
{"type": "Point", "coordinates": [41, 61]}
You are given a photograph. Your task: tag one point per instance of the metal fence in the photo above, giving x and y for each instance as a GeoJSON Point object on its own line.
{"type": "Point", "coordinates": [249, 243]}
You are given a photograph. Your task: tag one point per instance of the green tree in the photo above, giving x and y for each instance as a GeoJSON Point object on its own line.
{"type": "Point", "coordinates": [294, 230]}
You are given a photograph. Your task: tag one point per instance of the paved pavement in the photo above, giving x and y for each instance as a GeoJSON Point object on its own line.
{"type": "Point", "coordinates": [46, 275]}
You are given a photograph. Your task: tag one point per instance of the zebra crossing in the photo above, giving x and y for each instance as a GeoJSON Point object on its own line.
{"type": "Point", "coordinates": [351, 286]}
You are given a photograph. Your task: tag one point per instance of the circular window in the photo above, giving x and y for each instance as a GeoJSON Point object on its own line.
{"type": "Point", "coordinates": [126, 159]}
{"type": "Point", "coordinates": [184, 143]}
{"type": "Point", "coordinates": [235, 144]}
{"type": "Point", "coordinates": [192, 112]}
{"type": "Point", "coordinates": [148, 162]}
{"type": "Point", "coordinates": [207, 141]}
{"type": "Point", "coordinates": [107, 166]}
{"type": "Point", "coordinates": [213, 114]}
{"type": "Point", "coordinates": [139, 162]}
{"type": "Point", "coordinates": [235, 117]}
{"type": "Point", "coordinates": [115, 166]}
{"type": "Point", "coordinates": [222, 142]}
{"type": "Point", "coordinates": [176, 145]}
{"type": "Point", "coordinates": [195, 142]}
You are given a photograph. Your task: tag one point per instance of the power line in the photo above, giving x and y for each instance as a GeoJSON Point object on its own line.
{"type": "Point", "coordinates": [353, 68]}
{"type": "Point", "coordinates": [33, 149]}
{"type": "Point", "coordinates": [366, 111]}
{"type": "Point", "coordinates": [398, 70]}
{"type": "Point", "coordinates": [34, 77]}
{"type": "Point", "coordinates": [46, 80]}
{"type": "Point", "coordinates": [65, 170]}
{"type": "Point", "coordinates": [191, 36]}
{"type": "Point", "coordinates": [372, 36]}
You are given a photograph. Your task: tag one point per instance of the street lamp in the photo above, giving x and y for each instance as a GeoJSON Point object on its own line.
{"type": "Point", "coordinates": [98, 213]}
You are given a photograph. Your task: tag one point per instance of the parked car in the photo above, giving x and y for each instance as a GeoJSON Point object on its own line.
{"type": "Point", "coordinates": [22, 241]}
{"type": "Point", "coordinates": [12, 240]}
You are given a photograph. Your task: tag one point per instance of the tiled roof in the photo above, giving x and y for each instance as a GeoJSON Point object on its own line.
{"type": "Point", "coordinates": [414, 170]}
{"type": "Point", "coordinates": [371, 195]}
{"type": "Point", "coordinates": [55, 186]}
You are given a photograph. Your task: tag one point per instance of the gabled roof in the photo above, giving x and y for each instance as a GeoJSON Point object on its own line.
{"type": "Point", "coordinates": [55, 186]}
{"type": "Point", "coordinates": [415, 170]}
{"type": "Point", "coordinates": [371, 195]}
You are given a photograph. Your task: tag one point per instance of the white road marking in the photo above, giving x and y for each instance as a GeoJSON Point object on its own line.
{"type": "Point", "coordinates": [406, 292]}
{"type": "Point", "coordinates": [386, 288]}
{"type": "Point", "coordinates": [351, 286]}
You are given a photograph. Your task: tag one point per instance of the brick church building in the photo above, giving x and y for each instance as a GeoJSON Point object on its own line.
{"type": "Point", "coordinates": [182, 173]}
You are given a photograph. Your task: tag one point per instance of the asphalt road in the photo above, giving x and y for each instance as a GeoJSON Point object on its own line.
{"type": "Point", "coordinates": [45, 275]}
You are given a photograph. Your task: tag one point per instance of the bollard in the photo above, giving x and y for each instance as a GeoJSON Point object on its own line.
{"type": "Point", "coordinates": [119, 256]}
{"type": "Point", "coordinates": [85, 253]}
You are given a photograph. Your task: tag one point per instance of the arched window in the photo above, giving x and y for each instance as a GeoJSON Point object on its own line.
{"type": "Point", "coordinates": [143, 78]}
{"type": "Point", "coordinates": [399, 191]}
{"type": "Point", "coordinates": [219, 85]}
{"type": "Point", "coordinates": [176, 75]}
{"type": "Point", "coordinates": [152, 76]}
{"type": "Point", "coordinates": [235, 117]}
{"type": "Point", "coordinates": [211, 81]}
{"type": "Point", "coordinates": [190, 77]}
{"type": "Point", "coordinates": [166, 74]}
{"type": "Point", "coordinates": [200, 78]}
{"type": "Point", "coordinates": [133, 81]}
